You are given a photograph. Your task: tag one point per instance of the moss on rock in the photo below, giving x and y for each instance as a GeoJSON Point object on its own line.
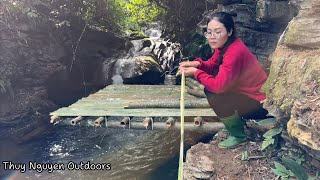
{"type": "Point", "coordinates": [291, 72]}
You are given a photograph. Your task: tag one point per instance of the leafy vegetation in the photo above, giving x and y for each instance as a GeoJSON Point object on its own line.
{"type": "Point", "coordinates": [117, 16]}
{"type": "Point", "coordinates": [282, 171]}
{"type": "Point", "coordinates": [136, 13]}
{"type": "Point", "coordinates": [271, 138]}
{"type": "Point", "coordinates": [295, 168]}
{"type": "Point", "coordinates": [198, 46]}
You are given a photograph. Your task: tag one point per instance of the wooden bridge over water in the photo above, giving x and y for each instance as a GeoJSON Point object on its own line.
{"type": "Point", "coordinates": [138, 107]}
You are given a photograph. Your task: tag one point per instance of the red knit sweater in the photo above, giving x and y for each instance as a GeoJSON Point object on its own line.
{"type": "Point", "coordinates": [240, 72]}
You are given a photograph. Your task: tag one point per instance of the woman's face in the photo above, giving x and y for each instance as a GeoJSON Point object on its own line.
{"type": "Point", "coordinates": [217, 34]}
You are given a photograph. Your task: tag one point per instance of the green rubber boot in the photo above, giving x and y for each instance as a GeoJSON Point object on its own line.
{"type": "Point", "coordinates": [235, 126]}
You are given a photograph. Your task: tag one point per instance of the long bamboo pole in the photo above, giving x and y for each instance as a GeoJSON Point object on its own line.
{"type": "Point", "coordinates": [167, 104]}
{"type": "Point", "coordinates": [183, 87]}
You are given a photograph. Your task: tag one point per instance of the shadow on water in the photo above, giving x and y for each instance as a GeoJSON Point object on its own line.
{"type": "Point", "coordinates": [133, 154]}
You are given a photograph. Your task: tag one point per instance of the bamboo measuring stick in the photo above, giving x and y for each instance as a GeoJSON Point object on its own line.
{"type": "Point", "coordinates": [183, 89]}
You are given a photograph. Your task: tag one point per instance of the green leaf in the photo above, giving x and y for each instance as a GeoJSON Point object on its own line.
{"type": "Point", "coordinates": [272, 132]}
{"type": "Point", "coordinates": [266, 142]}
{"type": "Point", "coordinates": [279, 166]}
{"type": "Point", "coordinates": [267, 122]}
{"type": "Point", "coordinates": [300, 160]}
{"type": "Point", "coordinates": [282, 171]}
{"type": "Point", "coordinates": [296, 168]}
{"type": "Point", "coordinates": [279, 173]}
{"type": "Point", "coordinates": [312, 178]}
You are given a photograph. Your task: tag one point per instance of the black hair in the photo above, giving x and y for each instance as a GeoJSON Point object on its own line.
{"type": "Point", "coordinates": [227, 20]}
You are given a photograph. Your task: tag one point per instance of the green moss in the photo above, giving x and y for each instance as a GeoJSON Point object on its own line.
{"type": "Point", "coordinates": [286, 105]}
{"type": "Point", "coordinates": [292, 34]}
{"type": "Point", "coordinates": [274, 71]}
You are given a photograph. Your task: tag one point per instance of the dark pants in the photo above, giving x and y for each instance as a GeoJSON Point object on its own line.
{"type": "Point", "coordinates": [226, 104]}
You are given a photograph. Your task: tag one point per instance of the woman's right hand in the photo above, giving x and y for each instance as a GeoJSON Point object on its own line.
{"type": "Point", "coordinates": [189, 64]}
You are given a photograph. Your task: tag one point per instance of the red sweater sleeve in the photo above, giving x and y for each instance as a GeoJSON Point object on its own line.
{"type": "Point", "coordinates": [210, 65]}
{"type": "Point", "coordinates": [228, 74]}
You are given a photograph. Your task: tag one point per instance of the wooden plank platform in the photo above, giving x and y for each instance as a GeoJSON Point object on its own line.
{"type": "Point", "coordinates": [111, 101]}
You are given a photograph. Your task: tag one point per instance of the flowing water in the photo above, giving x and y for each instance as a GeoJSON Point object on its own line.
{"type": "Point", "coordinates": [132, 154]}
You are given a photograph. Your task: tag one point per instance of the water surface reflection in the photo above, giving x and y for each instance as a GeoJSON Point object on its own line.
{"type": "Point", "coordinates": [133, 154]}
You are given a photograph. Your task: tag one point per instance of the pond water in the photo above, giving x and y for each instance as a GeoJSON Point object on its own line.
{"type": "Point", "coordinates": [132, 154]}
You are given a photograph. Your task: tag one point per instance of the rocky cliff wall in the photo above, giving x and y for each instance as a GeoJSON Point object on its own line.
{"type": "Point", "coordinates": [36, 75]}
{"type": "Point", "coordinates": [293, 85]}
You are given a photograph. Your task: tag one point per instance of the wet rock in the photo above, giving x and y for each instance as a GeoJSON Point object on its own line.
{"type": "Point", "coordinates": [134, 69]}
{"type": "Point", "coordinates": [165, 53]}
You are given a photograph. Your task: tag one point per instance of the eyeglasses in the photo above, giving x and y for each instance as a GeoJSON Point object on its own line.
{"type": "Point", "coordinates": [209, 34]}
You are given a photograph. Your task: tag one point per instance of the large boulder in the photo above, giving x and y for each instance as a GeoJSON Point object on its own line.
{"type": "Point", "coordinates": [293, 85]}
{"type": "Point", "coordinates": [304, 30]}
{"type": "Point", "coordinates": [134, 70]}
{"type": "Point", "coordinates": [292, 73]}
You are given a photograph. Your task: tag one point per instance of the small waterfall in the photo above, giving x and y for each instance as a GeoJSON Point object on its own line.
{"type": "Point", "coordinates": [127, 59]}
{"type": "Point", "coordinates": [117, 79]}
{"type": "Point", "coordinates": [165, 54]}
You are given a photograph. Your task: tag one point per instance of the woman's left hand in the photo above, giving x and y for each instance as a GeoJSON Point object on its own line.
{"type": "Point", "coordinates": [188, 71]}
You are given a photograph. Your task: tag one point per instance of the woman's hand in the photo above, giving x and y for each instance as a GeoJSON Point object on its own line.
{"type": "Point", "coordinates": [189, 64]}
{"type": "Point", "coordinates": [188, 71]}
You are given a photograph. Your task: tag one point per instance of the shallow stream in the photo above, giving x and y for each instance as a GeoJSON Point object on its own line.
{"type": "Point", "coordinates": [132, 154]}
